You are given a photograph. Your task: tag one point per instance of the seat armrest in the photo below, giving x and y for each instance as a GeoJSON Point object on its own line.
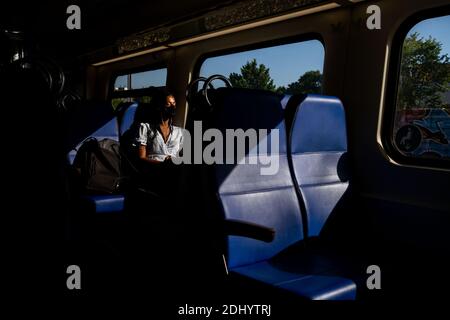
{"type": "Point", "coordinates": [249, 230]}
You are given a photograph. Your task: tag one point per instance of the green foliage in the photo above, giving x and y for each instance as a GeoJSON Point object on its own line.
{"type": "Point", "coordinates": [116, 101]}
{"type": "Point", "coordinates": [253, 76]}
{"type": "Point", "coordinates": [309, 82]}
{"type": "Point", "coordinates": [424, 73]}
{"type": "Point", "coordinates": [145, 99]}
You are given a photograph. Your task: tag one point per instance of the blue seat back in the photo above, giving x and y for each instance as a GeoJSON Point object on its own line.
{"type": "Point", "coordinates": [127, 118]}
{"type": "Point", "coordinates": [318, 143]}
{"type": "Point", "coordinates": [109, 130]}
{"type": "Point", "coordinates": [245, 194]}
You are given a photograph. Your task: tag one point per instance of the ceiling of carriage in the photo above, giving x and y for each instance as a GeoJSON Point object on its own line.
{"type": "Point", "coordinates": [126, 26]}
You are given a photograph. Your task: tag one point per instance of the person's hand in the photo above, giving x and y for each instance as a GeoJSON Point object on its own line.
{"type": "Point", "coordinates": [168, 159]}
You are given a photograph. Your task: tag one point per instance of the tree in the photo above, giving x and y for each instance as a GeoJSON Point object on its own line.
{"type": "Point", "coordinates": [424, 73]}
{"type": "Point", "coordinates": [309, 82]}
{"type": "Point", "coordinates": [253, 76]}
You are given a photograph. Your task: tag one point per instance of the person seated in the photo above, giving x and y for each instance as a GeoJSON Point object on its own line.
{"type": "Point", "coordinates": [158, 139]}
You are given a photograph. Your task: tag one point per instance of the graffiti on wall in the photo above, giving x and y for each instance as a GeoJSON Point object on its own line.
{"type": "Point", "coordinates": [423, 133]}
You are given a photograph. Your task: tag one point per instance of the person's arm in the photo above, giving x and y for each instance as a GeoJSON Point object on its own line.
{"type": "Point", "coordinates": [143, 155]}
{"type": "Point", "coordinates": [141, 140]}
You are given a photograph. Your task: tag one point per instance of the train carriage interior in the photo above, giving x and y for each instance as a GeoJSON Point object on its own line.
{"type": "Point", "coordinates": [314, 161]}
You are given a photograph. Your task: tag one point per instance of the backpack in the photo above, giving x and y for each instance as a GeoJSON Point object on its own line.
{"type": "Point", "coordinates": [98, 164]}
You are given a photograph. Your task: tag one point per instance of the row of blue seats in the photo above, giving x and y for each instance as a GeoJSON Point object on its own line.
{"type": "Point", "coordinates": [297, 201]}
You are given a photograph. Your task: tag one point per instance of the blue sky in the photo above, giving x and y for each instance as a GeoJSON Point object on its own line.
{"type": "Point", "coordinates": [144, 79]}
{"type": "Point", "coordinates": [286, 62]}
{"type": "Point", "coordinates": [438, 28]}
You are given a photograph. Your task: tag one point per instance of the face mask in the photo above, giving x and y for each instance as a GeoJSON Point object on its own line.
{"type": "Point", "coordinates": [168, 112]}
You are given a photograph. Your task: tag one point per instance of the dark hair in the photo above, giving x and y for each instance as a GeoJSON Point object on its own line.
{"type": "Point", "coordinates": [159, 98]}
{"type": "Point", "coordinates": [151, 112]}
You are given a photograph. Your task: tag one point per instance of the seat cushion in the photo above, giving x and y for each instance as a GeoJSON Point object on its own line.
{"type": "Point", "coordinates": [105, 203]}
{"type": "Point", "coordinates": [317, 283]}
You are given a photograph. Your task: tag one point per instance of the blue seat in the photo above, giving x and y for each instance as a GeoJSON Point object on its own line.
{"type": "Point", "coordinates": [109, 130]}
{"type": "Point", "coordinates": [313, 284]}
{"type": "Point", "coordinates": [127, 118]}
{"type": "Point", "coordinates": [268, 201]}
{"type": "Point", "coordinates": [102, 203]}
{"type": "Point", "coordinates": [318, 145]}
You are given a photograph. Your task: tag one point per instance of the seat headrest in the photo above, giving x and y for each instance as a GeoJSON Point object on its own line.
{"type": "Point", "coordinates": [247, 108]}
{"type": "Point", "coordinates": [319, 125]}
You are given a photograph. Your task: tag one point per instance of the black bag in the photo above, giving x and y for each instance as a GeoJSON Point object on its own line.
{"type": "Point", "coordinates": [98, 164]}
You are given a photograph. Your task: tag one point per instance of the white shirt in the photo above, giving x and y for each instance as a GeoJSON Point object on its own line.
{"type": "Point", "coordinates": [157, 149]}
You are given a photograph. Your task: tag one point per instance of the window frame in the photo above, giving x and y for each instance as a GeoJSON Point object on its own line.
{"type": "Point", "coordinates": [262, 45]}
{"type": "Point", "coordinates": [392, 89]}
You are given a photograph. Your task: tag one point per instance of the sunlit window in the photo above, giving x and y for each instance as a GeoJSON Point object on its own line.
{"type": "Point", "coordinates": [290, 68]}
{"type": "Point", "coordinates": [422, 119]}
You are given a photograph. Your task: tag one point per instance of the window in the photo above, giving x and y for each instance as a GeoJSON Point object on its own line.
{"type": "Point", "coordinates": [140, 80]}
{"type": "Point", "coordinates": [115, 102]}
{"type": "Point", "coordinates": [421, 128]}
{"type": "Point", "coordinates": [136, 81]}
{"type": "Point", "coordinates": [289, 68]}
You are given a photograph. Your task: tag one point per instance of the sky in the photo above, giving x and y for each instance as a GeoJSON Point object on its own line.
{"type": "Point", "coordinates": [156, 78]}
{"type": "Point", "coordinates": [286, 62]}
{"type": "Point", "coordinates": [438, 28]}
